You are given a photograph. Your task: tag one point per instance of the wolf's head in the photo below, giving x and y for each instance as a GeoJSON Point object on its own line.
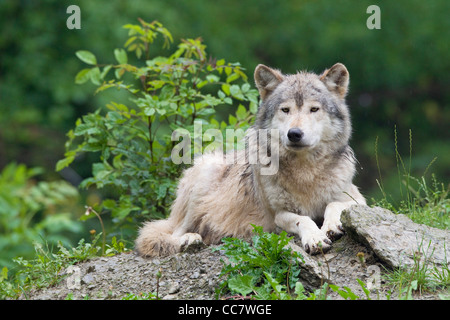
{"type": "Point", "coordinates": [309, 110]}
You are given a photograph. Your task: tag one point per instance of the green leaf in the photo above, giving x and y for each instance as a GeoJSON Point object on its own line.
{"type": "Point", "coordinates": [82, 76]}
{"type": "Point", "coordinates": [241, 284]}
{"type": "Point", "coordinates": [61, 164]}
{"type": "Point", "coordinates": [232, 77]}
{"type": "Point", "coordinates": [121, 56]}
{"type": "Point", "coordinates": [363, 286]}
{"type": "Point", "coordinates": [95, 75]}
{"type": "Point", "coordinates": [241, 112]}
{"type": "Point", "coordinates": [149, 111]}
{"type": "Point", "coordinates": [86, 56]}
{"type": "Point", "coordinates": [212, 78]}
{"type": "Point", "coordinates": [253, 107]}
{"type": "Point", "coordinates": [232, 120]}
{"type": "Point", "coordinates": [4, 274]}
{"type": "Point", "coordinates": [300, 291]}
{"type": "Point", "coordinates": [226, 89]}
{"type": "Point", "coordinates": [105, 71]}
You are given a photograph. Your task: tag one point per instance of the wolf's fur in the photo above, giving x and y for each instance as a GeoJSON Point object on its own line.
{"type": "Point", "coordinates": [313, 182]}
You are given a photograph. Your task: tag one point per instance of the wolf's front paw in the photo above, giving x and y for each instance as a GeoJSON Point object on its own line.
{"type": "Point", "coordinates": [332, 225]}
{"type": "Point", "coordinates": [315, 242]}
{"type": "Point", "coordinates": [334, 232]}
{"type": "Point", "coordinates": [191, 242]}
{"type": "Point", "coordinates": [333, 229]}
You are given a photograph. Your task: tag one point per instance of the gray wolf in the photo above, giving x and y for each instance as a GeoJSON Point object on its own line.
{"type": "Point", "coordinates": [305, 196]}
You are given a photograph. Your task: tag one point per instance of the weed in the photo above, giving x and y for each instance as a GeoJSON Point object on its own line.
{"type": "Point", "coordinates": [45, 269]}
{"type": "Point", "coordinates": [421, 201]}
{"type": "Point", "coordinates": [141, 296]}
{"type": "Point", "coordinates": [266, 268]}
{"type": "Point", "coordinates": [421, 277]}
{"type": "Point", "coordinates": [89, 210]}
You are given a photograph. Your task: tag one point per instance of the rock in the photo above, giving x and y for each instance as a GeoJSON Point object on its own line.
{"type": "Point", "coordinates": [339, 266]}
{"type": "Point", "coordinates": [74, 280]}
{"type": "Point", "coordinates": [87, 279]}
{"type": "Point", "coordinates": [395, 239]}
{"type": "Point", "coordinates": [174, 288]}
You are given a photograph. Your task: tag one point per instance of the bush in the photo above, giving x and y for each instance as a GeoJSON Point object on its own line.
{"type": "Point", "coordinates": [31, 211]}
{"type": "Point", "coordinates": [133, 141]}
{"type": "Point", "coordinates": [267, 268]}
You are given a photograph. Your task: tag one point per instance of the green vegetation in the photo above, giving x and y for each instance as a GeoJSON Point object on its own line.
{"type": "Point", "coordinates": [132, 142]}
{"type": "Point", "coordinates": [422, 200]}
{"type": "Point", "coordinates": [266, 268]}
{"type": "Point", "coordinates": [44, 269]}
{"type": "Point", "coordinates": [421, 278]}
{"type": "Point", "coordinates": [32, 210]}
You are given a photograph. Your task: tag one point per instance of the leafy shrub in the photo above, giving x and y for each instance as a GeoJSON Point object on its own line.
{"type": "Point", "coordinates": [31, 211]}
{"type": "Point", "coordinates": [133, 141]}
{"type": "Point", "coordinates": [266, 268]}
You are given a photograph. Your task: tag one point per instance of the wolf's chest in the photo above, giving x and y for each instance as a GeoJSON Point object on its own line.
{"type": "Point", "coordinates": [301, 192]}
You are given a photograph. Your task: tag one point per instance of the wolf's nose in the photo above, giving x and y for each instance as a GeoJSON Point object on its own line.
{"type": "Point", "coordinates": [295, 135]}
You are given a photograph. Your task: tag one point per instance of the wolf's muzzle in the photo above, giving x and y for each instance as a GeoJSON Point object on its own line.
{"type": "Point", "coordinates": [295, 135]}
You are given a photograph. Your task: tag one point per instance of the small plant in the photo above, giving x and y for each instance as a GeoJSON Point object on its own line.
{"type": "Point", "coordinates": [421, 277]}
{"type": "Point", "coordinates": [45, 269]}
{"type": "Point", "coordinates": [266, 268]}
{"type": "Point", "coordinates": [425, 203]}
{"type": "Point", "coordinates": [142, 296]}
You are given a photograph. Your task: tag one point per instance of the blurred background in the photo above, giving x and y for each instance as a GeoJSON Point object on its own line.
{"type": "Point", "coordinates": [400, 78]}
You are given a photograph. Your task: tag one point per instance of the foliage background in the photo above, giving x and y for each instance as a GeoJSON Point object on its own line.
{"type": "Point", "coordinates": [400, 75]}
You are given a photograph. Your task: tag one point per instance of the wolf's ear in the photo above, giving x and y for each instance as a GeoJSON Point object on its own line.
{"type": "Point", "coordinates": [336, 79]}
{"type": "Point", "coordinates": [267, 80]}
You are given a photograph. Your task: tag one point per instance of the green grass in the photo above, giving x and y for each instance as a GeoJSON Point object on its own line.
{"type": "Point", "coordinates": [421, 278]}
{"type": "Point", "coordinates": [44, 270]}
{"type": "Point", "coordinates": [425, 201]}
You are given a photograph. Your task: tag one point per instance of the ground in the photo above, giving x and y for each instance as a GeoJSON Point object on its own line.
{"type": "Point", "coordinates": [196, 275]}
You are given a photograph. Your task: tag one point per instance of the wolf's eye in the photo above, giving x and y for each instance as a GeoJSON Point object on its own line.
{"type": "Point", "coordinates": [314, 109]}
{"type": "Point", "coordinates": [285, 110]}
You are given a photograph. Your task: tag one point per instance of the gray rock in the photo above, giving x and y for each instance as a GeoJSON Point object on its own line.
{"type": "Point", "coordinates": [395, 239]}
{"type": "Point", "coordinates": [74, 280]}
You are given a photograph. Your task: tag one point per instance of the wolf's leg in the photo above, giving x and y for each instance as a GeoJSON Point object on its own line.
{"type": "Point", "coordinates": [332, 225]}
{"type": "Point", "coordinates": [313, 239]}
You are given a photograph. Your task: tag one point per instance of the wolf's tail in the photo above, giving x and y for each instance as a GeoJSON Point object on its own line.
{"type": "Point", "coordinates": [156, 239]}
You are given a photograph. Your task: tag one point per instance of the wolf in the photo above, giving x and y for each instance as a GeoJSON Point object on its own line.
{"type": "Point", "coordinates": [305, 196]}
